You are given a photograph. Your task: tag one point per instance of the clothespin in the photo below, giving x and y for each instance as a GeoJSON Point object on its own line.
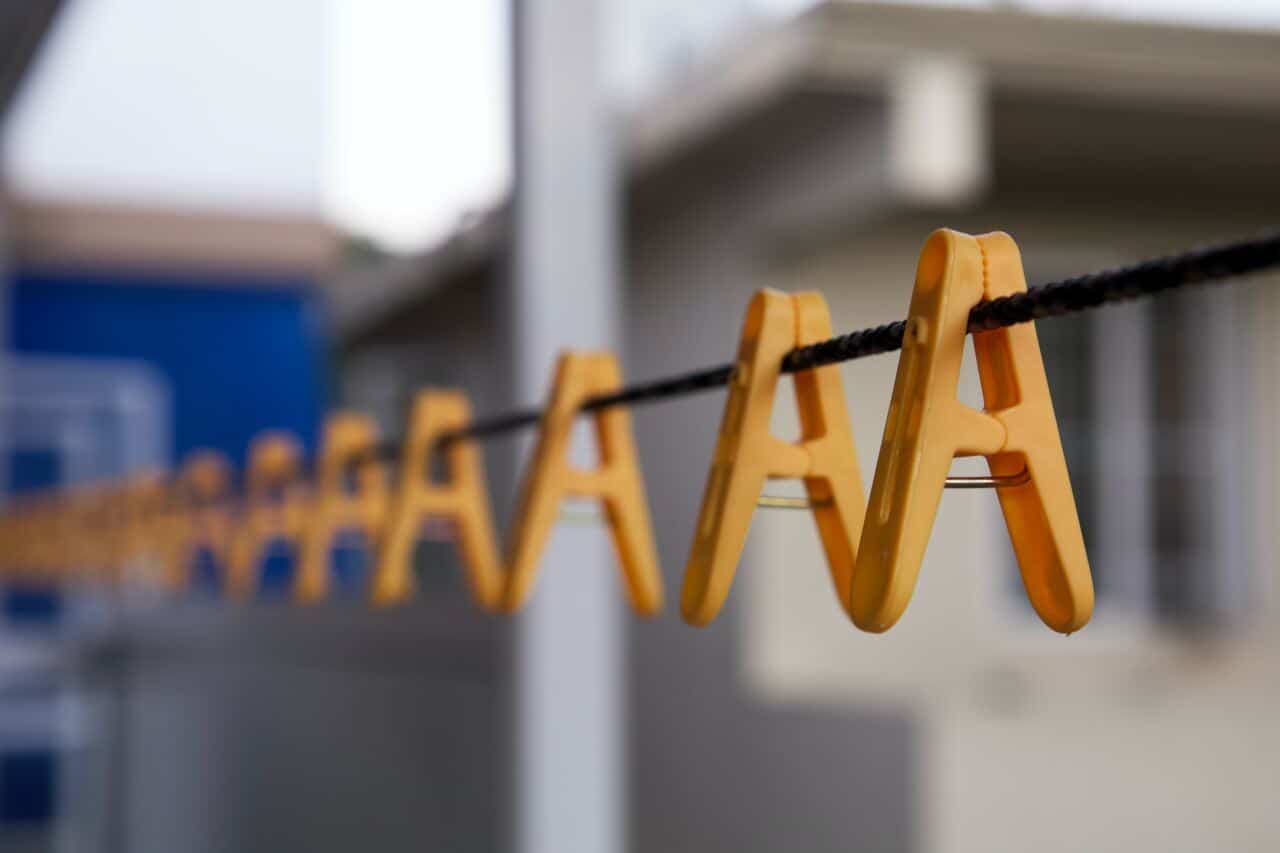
{"type": "Point", "coordinates": [203, 517]}
{"type": "Point", "coordinates": [106, 512]}
{"type": "Point", "coordinates": [747, 454]}
{"type": "Point", "coordinates": [616, 482]}
{"type": "Point", "coordinates": [461, 499]}
{"type": "Point", "coordinates": [61, 534]}
{"type": "Point", "coordinates": [347, 437]}
{"type": "Point", "coordinates": [8, 542]}
{"type": "Point", "coordinates": [79, 533]}
{"type": "Point", "coordinates": [927, 427]}
{"type": "Point", "coordinates": [38, 536]}
{"type": "Point", "coordinates": [274, 508]}
{"type": "Point", "coordinates": [144, 497]}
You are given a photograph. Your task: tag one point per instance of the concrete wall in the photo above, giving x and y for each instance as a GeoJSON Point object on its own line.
{"type": "Point", "coordinates": [970, 726]}
{"type": "Point", "coordinates": [718, 765]}
{"type": "Point", "coordinates": [1118, 738]}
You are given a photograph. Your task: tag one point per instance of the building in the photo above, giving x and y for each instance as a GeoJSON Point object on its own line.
{"type": "Point", "coordinates": [819, 155]}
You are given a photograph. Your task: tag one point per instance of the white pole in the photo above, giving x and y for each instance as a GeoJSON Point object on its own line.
{"type": "Point", "coordinates": [570, 761]}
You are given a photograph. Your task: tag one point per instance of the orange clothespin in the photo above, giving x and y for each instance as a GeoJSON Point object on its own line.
{"type": "Point", "coordinates": [61, 532]}
{"type": "Point", "coordinates": [8, 541]}
{"type": "Point", "coordinates": [144, 498]}
{"type": "Point", "coordinates": [203, 518]}
{"type": "Point", "coordinates": [616, 482]}
{"type": "Point", "coordinates": [94, 549]}
{"type": "Point", "coordinates": [747, 454]}
{"type": "Point", "coordinates": [108, 512]}
{"type": "Point", "coordinates": [274, 508]}
{"type": "Point", "coordinates": [346, 437]}
{"type": "Point", "coordinates": [40, 540]}
{"type": "Point", "coordinates": [79, 534]}
{"type": "Point", "coordinates": [927, 427]}
{"type": "Point", "coordinates": [462, 499]}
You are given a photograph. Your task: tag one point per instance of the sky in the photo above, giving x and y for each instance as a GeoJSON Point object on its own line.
{"type": "Point", "coordinates": [387, 117]}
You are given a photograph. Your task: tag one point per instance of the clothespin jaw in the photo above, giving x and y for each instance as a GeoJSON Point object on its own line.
{"type": "Point", "coordinates": [274, 508]}
{"type": "Point", "coordinates": [616, 482]}
{"type": "Point", "coordinates": [203, 515]}
{"type": "Point", "coordinates": [347, 437]}
{"type": "Point", "coordinates": [747, 454]}
{"type": "Point", "coordinates": [927, 427]}
{"type": "Point", "coordinates": [462, 499]}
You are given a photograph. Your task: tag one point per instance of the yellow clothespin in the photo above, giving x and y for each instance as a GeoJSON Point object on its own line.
{"type": "Point", "coordinates": [462, 500]}
{"type": "Point", "coordinates": [203, 520]}
{"type": "Point", "coordinates": [616, 482]}
{"type": "Point", "coordinates": [61, 534]}
{"type": "Point", "coordinates": [104, 517]}
{"type": "Point", "coordinates": [927, 427]}
{"type": "Point", "coordinates": [274, 508]}
{"type": "Point", "coordinates": [347, 436]}
{"type": "Point", "coordinates": [8, 541]}
{"type": "Point", "coordinates": [79, 534]}
{"type": "Point", "coordinates": [40, 539]}
{"type": "Point", "coordinates": [747, 454]}
{"type": "Point", "coordinates": [144, 497]}
{"type": "Point", "coordinates": [37, 539]}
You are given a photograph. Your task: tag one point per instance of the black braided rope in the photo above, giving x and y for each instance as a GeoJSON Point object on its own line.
{"type": "Point", "coordinates": [1063, 297]}
{"type": "Point", "coordinates": [1069, 296]}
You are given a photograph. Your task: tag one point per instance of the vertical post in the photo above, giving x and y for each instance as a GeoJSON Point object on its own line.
{"type": "Point", "coordinates": [569, 738]}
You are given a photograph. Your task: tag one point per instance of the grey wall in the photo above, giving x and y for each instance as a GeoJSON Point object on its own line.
{"type": "Point", "coordinates": [716, 767]}
{"type": "Point", "coordinates": [276, 729]}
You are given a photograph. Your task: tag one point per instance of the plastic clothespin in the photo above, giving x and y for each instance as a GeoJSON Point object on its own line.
{"type": "Point", "coordinates": [142, 537]}
{"type": "Point", "coordinates": [8, 541]}
{"type": "Point", "coordinates": [31, 535]}
{"type": "Point", "coordinates": [203, 519]}
{"type": "Point", "coordinates": [61, 532]}
{"type": "Point", "coordinates": [81, 542]}
{"type": "Point", "coordinates": [927, 427]}
{"type": "Point", "coordinates": [747, 454]}
{"type": "Point", "coordinates": [39, 539]}
{"type": "Point", "coordinates": [461, 499]}
{"type": "Point", "coordinates": [617, 482]}
{"type": "Point", "coordinates": [108, 512]}
{"type": "Point", "coordinates": [274, 508]}
{"type": "Point", "coordinates": [347, 436]}
{"type": "Point", "coordinates": [94, 546]}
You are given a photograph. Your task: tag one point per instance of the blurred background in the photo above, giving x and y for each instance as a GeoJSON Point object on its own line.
{"type": "Point", "coordinates": [222, 217]}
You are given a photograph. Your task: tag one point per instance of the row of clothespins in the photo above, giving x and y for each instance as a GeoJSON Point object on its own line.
{"type": "Point", "coordinates": [874, 547]}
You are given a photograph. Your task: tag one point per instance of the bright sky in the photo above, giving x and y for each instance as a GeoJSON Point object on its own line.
{"type": "Point", "coordinates": [418, 131]}
{"type": "Point", "coordinates": [388, 117]}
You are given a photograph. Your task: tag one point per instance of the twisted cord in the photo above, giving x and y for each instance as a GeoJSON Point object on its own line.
{"type": "Point", "coordinates": [1068, 296]}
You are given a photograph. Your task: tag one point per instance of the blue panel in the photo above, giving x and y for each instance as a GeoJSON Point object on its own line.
{"type": "Point", "coordinates": [27, 780]}
{"type": "Point", "coordinates": [27, 605]}
{"type": "Point", "coordinates": [33, 606]}
{"type": "Point", "coordinates": [33, 469]}
{"type": "Point", "coordinates": [275, 581]}
{"type": "Point", "coordinates": [241, 354]}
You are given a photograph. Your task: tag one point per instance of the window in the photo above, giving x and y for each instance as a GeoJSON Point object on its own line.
{"type": "Point", "coordinates": [1150, 400]}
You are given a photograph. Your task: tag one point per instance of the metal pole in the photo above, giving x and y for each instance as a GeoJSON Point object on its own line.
{"type": "Point", "coordinates": [569, 735]}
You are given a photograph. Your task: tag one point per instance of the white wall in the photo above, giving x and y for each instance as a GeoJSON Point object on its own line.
{"type": "Point", "coordinates": [1126, 736]}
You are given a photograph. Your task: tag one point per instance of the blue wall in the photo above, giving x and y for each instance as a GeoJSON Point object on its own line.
{"type": "Point", "coordinates": [242, 354]}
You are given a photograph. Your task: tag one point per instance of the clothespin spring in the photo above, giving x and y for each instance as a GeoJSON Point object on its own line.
{"type": "Point", "coordinates": [1011, 481]}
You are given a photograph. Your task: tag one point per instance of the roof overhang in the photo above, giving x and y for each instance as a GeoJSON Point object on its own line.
{"type": "Point", "coordinates": [1113, 72]}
